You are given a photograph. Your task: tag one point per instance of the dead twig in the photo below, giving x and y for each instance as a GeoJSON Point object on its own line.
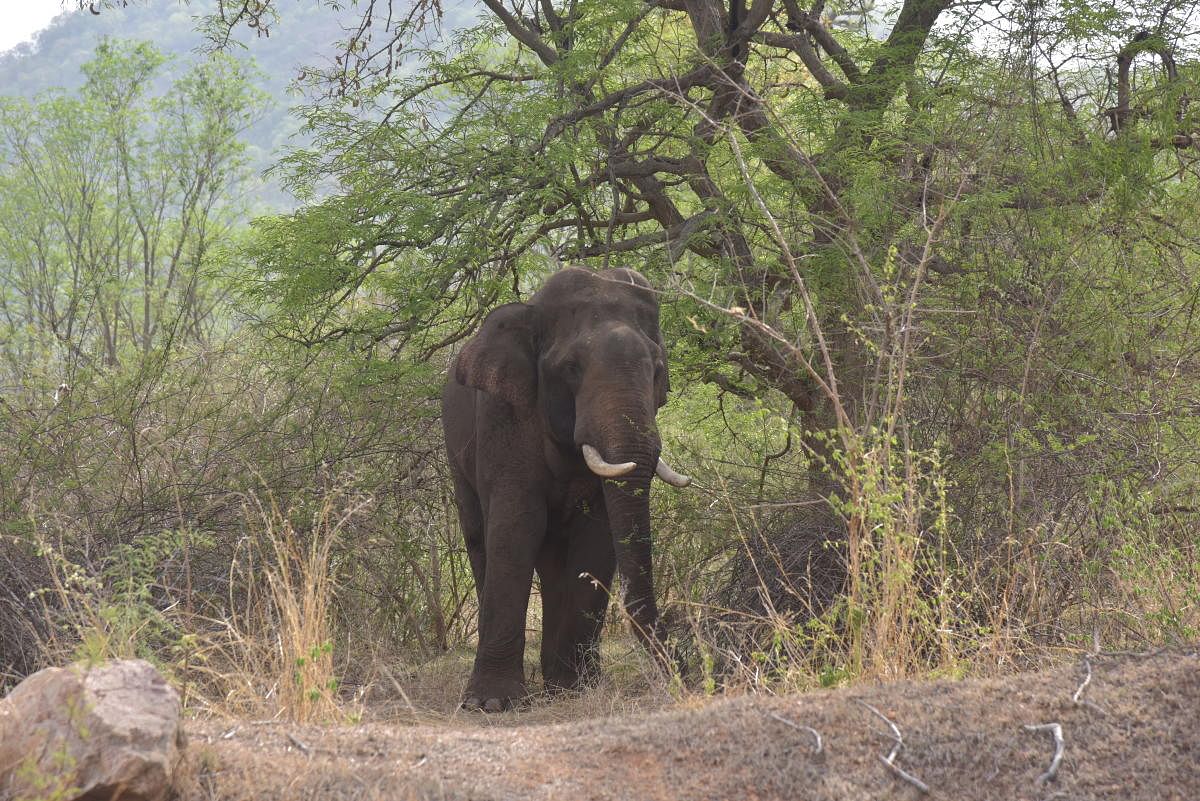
{"type": "Point", "coordinates": [396, 684]}
{"type": "Point", "coordinates": [890, 759]}
{"type": "Point", "coordinates": [1078, 698]}
{"type": "Point", "coordinates": [296, 741]}
{"type": "Point", "coordinates": [816, 734]}
{"type": "Point", "coordinates": [1056, 730]}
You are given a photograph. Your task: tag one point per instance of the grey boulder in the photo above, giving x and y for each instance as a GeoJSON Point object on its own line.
{"type": "Point", "coordinates": [112, 731]}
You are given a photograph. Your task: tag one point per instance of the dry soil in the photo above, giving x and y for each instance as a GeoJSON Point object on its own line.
{"type": "Point", "coordinates": [1133, 732]}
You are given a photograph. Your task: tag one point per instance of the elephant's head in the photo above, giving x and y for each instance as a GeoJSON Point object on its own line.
{"type": "Point", "coordinates": [587, 357]}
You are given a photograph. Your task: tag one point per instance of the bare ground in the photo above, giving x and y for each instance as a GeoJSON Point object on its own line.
{"type": "Point", "coordinates": [1133, 734]}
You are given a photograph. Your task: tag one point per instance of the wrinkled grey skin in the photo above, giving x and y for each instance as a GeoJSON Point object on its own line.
{"type": "Point", "coordinates": [581, 362]}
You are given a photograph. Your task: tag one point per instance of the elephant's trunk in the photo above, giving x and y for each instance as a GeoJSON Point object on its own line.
{"type": "Point", "coordinates": [628, 503]}
{"type": "Point", "coordinates": [621, 427]}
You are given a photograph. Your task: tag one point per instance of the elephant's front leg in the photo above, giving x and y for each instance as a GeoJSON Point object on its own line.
{"type": "Point", "coordinates": [581, 590]}
{"type": "Point", "coordinates": [516, 527]}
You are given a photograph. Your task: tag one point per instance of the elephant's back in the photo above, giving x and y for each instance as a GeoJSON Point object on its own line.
{"type": "Point", "coordinates": [582, 284]}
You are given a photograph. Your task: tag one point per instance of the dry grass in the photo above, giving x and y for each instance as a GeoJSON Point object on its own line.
{"type": "Point", "coordinates": [964, 739]}
{"type": "Point", "coordinates": [900, 593]}
{"type": "Point", "coordinates": [273, 654]}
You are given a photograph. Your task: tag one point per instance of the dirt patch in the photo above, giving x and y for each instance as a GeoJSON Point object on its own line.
{"type": "Point", "coordinates": [1134, 735]}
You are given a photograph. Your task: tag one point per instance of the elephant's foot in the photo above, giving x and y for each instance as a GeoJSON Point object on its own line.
{"type": "Point", "coordinates": [492, 694]}
{"type": "Point", "coordinates": [570, 677]}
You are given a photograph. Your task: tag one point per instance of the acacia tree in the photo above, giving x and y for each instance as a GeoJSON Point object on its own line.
{"type": "Point", "coordinates": [969, 236]}
{"type": "Point", "coordinates": [636, 131]}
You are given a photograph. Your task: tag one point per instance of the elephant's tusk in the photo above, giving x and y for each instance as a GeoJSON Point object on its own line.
{"type": "Point", "coordinates": [667, 474]}
{"type": "Point", "coordinates": [597, 465]}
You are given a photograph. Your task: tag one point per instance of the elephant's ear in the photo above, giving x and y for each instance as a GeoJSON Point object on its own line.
{"type": "Point", "coordinates": [558, 406]}
{"type": "Point", "coordinates": [662, 376]}
{"type": "Point", "coordinates": [502, 358]}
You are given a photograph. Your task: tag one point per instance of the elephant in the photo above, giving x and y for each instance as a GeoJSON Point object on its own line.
{"type": "Point", "coordinates": [549, 419]}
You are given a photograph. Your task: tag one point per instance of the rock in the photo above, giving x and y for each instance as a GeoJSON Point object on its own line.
{"type": "Point", "coordinates": [106, 732]}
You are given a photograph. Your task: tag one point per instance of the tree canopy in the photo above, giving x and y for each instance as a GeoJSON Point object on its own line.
{"type": "Point", "coordinates": [763, 159]}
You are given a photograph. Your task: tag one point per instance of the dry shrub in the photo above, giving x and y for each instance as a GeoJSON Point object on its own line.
{"type": "Point", "coordinates": [790, 565]}
{"type": "Point", "coordinates": [845, 579]}
{"type": "Point", "coordinates": [144, 473]}
{"type": "Point", "coordinates": [132, 528]}
{"type": "Point", "coordinates": [790, 568]}
{"type": "Point", "coordinates": [23, 625]}
{"type": "Point", "coordinates": [877, 579]}
{"type": "Point", "coordinates": [269, 649]}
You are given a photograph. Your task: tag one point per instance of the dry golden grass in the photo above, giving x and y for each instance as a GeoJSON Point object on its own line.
{"type": "Point", "coordinates": [273, 655]}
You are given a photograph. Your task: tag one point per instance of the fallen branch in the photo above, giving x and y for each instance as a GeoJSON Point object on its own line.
{"type": "Point", "coordinates": [1056, 730]}
{"type": "Point", "coordinates": [890, 759]}
{"type": "Point", "coordinates": [1077, 698]}
{"type": "Point", "coordinates": [816, 734]}
{"type": "Point", "coordinates": [296, 741]}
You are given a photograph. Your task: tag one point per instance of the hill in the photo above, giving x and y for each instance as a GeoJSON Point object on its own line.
{"type": "Point", "coordinates": [305, 35]}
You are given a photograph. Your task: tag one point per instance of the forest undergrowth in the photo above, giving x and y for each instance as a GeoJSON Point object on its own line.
{"type": "Point", "coordinates": [335, 586]}
{"type": "Point", "coordinates": [930, 320]}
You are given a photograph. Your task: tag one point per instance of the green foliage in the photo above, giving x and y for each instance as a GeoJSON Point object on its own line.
{"type": "Point", "coordinates": [116, 612]}
{"type": "Point", "coordinates": [307, 34]}
{"type": "Point", "coordinates": [115, 207]}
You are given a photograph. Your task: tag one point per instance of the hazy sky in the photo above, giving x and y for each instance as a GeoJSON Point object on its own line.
{"type": "Point", "coordinates": [23, 18]}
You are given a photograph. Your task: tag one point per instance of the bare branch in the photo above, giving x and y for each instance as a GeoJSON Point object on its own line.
{"type": "Point", "coordinates": [755, 17]}
{"type": "Point", "coordinates": [890, 759]}
{"type": "Point", "coordinates": [1056, 730]}
{"type": "Point", "coordinates": [673, 84]}
{"type": "Point", "coordinates": [677, 237]}
{"type": "Point", "coordinates": [630, 27]}
{"type": "Point", "coordinates": [296, 741]}
{"type": "Point", "coordinates": [818, 746]}
{"type": "Point", "coordinates": [801, 46]}
{"type": "Point", "coordinates": [810, 23]}
{"type": "Point", "coordinates": [1078, 698]}
{"type": "Point", "coordinates": [522, 33]}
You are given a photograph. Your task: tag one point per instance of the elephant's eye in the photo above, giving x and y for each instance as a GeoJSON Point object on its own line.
{"type": "Point", "coordinates": [571, 368]}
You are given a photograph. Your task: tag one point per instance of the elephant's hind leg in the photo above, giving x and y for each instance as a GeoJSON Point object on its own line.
{"type": "Point", "coordinates": [551, 567]}
{"type": "Point", "coordinates": [470, 519]}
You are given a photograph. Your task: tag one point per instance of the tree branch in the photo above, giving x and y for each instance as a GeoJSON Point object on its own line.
{"type": "Point", "coordinates": [523, 34]}
{"type": "Point", "coordinates": [801, 46]}
{"type": "Point", "coordinates": [679, 236]}
{"type": "Point", "coordinates": [674, 84]}
{"type": "Point", "coordinates": [1143, 42]}
{"type": "Point", "coordinates": [810, 23]}
{"type": "Point", "coordinates": [898, 56]}
{"type": "Point", "coordinates": [755, 17]}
